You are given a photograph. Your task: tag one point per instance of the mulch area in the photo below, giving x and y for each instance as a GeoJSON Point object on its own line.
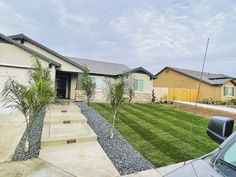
{"type": "Point", "coordinates": [201, 111]}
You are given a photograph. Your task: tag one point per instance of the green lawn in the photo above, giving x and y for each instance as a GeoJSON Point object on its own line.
{"type": "Point", "coordinates": [160, 133]}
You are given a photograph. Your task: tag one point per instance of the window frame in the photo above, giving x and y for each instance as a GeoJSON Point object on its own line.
{"type": "Point", "coordinates": [225, 92]}
{"type": "Point", "coordinates": [94, 79]}
{"type": "Point", "coordinates": [138, 81]}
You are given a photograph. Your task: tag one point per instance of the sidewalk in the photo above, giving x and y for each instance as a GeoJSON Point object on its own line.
{"type": "Point", "coordinates": [216, 107]}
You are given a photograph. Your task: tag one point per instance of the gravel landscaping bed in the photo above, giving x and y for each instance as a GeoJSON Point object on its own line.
{"type": "Point", "coordinates": [35, 139]}
{"type": "Point", "coordinates": [122, 154]}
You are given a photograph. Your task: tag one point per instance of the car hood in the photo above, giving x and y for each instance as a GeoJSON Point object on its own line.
{"type": "Point", "coordinates": [196, 168]}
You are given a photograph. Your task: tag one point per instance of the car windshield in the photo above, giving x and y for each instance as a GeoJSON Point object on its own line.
{"type": "Point", "coordinates": [230, 155]}
{"type": "Point", "coordinates": [226, 162]}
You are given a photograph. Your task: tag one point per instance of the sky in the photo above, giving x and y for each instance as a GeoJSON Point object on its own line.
{"type": "Point", "coordinates": [148, 33]}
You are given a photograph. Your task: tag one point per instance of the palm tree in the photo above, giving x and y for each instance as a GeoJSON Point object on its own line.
{"type": "Point", "coordinates": [116, 93]}
{"type": "Point", "coordinates": [32, 98]}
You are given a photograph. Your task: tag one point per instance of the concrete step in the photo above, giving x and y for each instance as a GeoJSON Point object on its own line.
{"type": "Point", "coordinates": [64, 108]}
{"type": "Point", "coordinates": [55, 134]}
{"type": "Point", "coordinates": [67, 117]}
{"type": "Point", "coordinates": [67, 140]}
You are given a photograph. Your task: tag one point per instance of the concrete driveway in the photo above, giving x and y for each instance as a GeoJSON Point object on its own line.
{"type": "Point", "coordinates": [12, 127]}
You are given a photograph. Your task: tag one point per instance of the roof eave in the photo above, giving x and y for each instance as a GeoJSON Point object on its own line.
{"type": "Point", "coordinates": [142, 70]}
{"type": "Point", "coordinates": [33, 52]}
{"type": "Point", "coordinates": [22, 36]}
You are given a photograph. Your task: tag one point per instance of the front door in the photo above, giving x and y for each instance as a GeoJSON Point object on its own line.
{"type": "Point", "coordinates": [61, 86]}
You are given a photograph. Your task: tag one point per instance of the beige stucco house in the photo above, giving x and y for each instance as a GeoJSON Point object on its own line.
{"type": "Point", "coordinates": [103, 71]}
{"type": "Point", "coordinates": [182, 85]}
{"type": "Point", "coordinates": [16, 58]}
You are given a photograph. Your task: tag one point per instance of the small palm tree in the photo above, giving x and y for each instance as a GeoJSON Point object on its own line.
{"type": "Point", "coordinates": [32, 98]}
{"type": "Point", "coordinates": [116, 93]}
{"type": "Point", "coordinates": [87, 85]}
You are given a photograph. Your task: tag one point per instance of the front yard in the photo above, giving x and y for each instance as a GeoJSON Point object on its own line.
{"type": "Point", "coordinates": [160, 133]}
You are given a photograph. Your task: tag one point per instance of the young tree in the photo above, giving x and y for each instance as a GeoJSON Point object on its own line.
{"type": "Point", "coordinates": [30, 99]}
{"type": "Point", "coordinates": [87, 84]}
{"type": "Point", "coordinates": [131, 94]}
{"type": "Point", "coordinates": [116, 95]}
{"type": "Point", "coordinates": [153, 97]}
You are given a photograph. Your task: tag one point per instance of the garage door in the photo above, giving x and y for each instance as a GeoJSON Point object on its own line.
{"type": "Point", "coordinates": [16, 73]}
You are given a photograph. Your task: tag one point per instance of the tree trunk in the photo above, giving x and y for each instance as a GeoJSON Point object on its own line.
{"type": "Point", "coordinates": [26, 144]}
{"type": "Point", "coordinates": [29, 127]}
{"type": "Point", "coordinates": [88, 101]}
{"type": "Point", "coordinates": [113, 126]}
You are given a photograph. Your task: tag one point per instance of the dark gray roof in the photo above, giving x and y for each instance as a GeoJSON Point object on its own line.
{"type": "Point", "coordinates": [108, 69]}
{"type": "Point", "coordinates": [209, 78]}
{"type": "Point", "coordinates": [33, 52]}
{"type": "Point", "coordinates": [26, 38]}
{"type": "Point", "coordinates": [100, 67]}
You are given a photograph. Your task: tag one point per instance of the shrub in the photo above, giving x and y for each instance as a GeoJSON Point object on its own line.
{"type": "Point", "coordinates": [153, 97]}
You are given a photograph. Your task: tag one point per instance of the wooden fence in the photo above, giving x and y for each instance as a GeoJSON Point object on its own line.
{"type": "Point", "coordinates": [182, 94]}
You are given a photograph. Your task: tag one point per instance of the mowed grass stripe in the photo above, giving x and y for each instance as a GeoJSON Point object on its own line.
{"type": "Point", "coordinates": [172, 139]}
{"type": "Point", "coordinates": [162, 111]}
{"type": "Point", "coordinates": [161, 140]}
{"type": "Point", "coordinates": [177, 132]}
{"type": "Point", "coordinates": [175, 113]}
{"type": "Point", "coordinates": [143, 146]}
{"type": "Point", "coordinates": [198, 132]}
{"type": "Point", "coordinates": [186, 124]}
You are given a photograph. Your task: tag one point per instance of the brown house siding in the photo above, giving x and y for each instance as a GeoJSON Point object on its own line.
{"type": "Point", "coordinates": [173, 80]}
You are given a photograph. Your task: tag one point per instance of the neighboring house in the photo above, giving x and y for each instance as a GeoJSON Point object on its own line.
{"type": "Point", "coordinates": [182, 85]}
{"type": "Point", "coordinates": [101, 71]}
{"type": "Point", "coordinates": [16, 59]}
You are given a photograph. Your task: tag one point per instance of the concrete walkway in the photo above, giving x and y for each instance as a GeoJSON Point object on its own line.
{"type": "Point", "coordinates": [217, 107]}
{"type": "Point", "coordinates": [71, 145]}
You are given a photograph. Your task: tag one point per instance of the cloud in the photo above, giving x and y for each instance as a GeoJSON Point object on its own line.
{"type": "Point", "coordinates": [12, 21]}
{"type": "Point", "coordinates": [171, 33]}
{"type": "Point", "coordinates": [152, 33]}
{"type": "Point", "coordinates": [69, 19]}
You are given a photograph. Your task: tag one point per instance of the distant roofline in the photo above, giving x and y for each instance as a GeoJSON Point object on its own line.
{"type": "Point", "coordinates": [33, 52]}
{"type": "Point", "coordinates": [138, 69]}
{"type": "Point", "coordinates": [26, 38]}
{"type": "Point", "coordinates": [196, 78]}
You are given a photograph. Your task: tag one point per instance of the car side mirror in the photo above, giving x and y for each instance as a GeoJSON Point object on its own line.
{"type": "Point", "coordinates": [220, 128]}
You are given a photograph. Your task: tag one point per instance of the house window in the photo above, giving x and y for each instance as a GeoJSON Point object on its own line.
{"type": "Point", "coordinates": [138, 85]}
{"type": "Point", "coordinates": [98, 82]}
{"type": "Point", "coordinates": [228, 91]}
